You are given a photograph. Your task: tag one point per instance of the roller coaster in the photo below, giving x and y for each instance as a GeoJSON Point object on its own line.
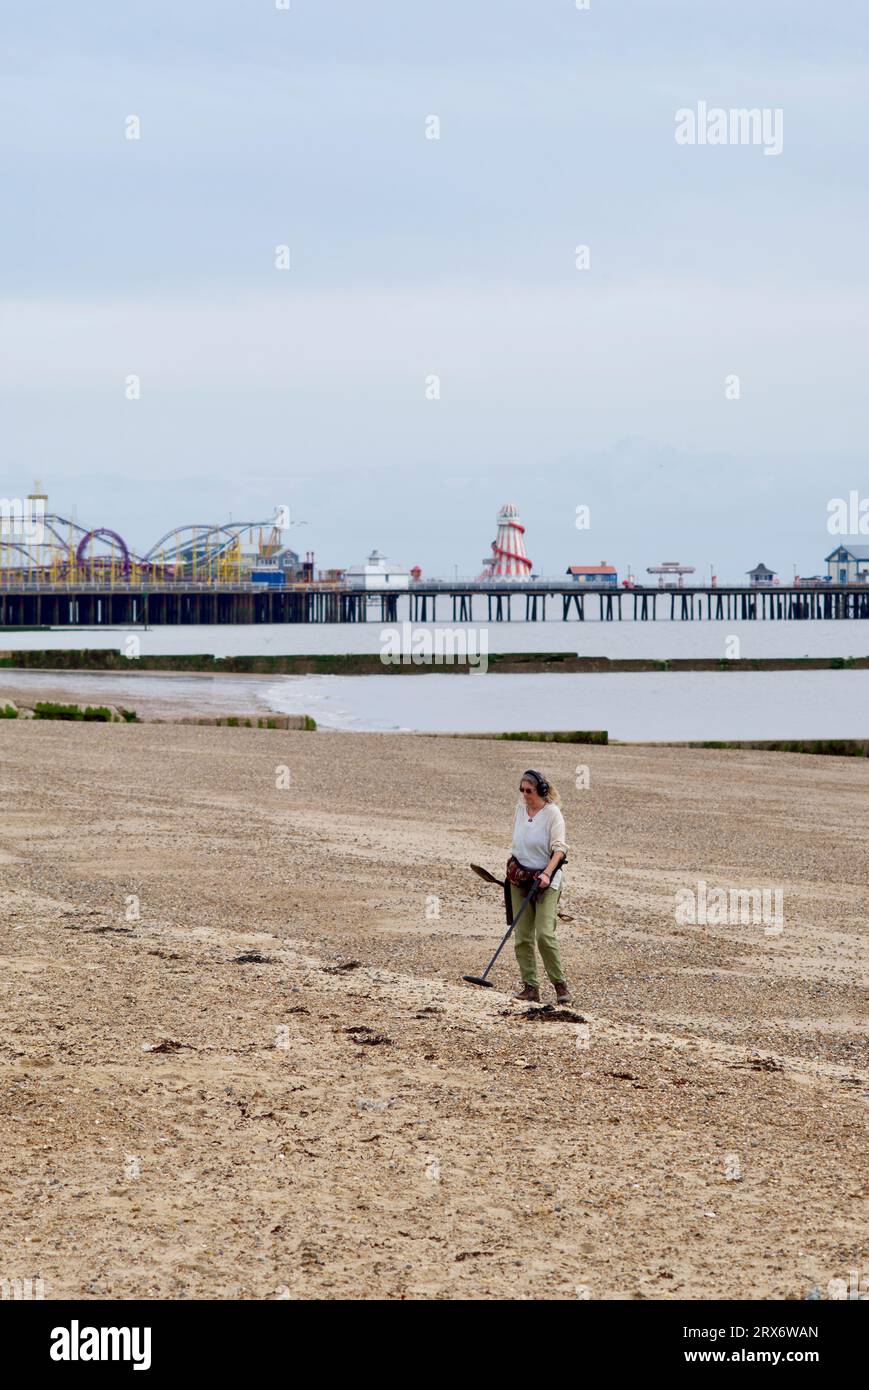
{"type": "Point", "coordinates": [43, 549]}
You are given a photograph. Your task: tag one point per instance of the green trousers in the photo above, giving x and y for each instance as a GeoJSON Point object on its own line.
{"type": "Point", "coordinates": [537, 924]}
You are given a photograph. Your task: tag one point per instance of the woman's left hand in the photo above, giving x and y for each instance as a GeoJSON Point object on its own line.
{"type": "Point", "coordinates": [544, 880]}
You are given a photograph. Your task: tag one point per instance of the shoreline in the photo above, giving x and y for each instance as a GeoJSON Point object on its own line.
{"type": "Point", "coordinates": [273, 720]}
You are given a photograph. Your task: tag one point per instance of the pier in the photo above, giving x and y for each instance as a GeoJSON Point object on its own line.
{"type": "Point", "coordinates": [528, 603]}
{"type": "Point", "coordinates": [122, 605]}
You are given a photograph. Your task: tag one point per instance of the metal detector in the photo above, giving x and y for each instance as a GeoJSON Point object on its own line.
{"type": "Point", "coordinates": [490, 878]}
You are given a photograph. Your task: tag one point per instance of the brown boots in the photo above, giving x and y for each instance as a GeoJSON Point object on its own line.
{"type": "Point", "coordinates": [529, 994]}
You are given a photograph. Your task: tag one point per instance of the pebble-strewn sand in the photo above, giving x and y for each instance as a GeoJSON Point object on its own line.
{"type": "Point", "coordinates": [308, 1126]}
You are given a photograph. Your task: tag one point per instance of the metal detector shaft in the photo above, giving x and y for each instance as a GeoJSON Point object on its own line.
{"type": "Point", "coordinates": [506, 937]}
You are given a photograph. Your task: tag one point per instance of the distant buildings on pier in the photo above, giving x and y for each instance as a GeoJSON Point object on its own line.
{"type": "Point", "coordinates": [848, 564]}
{"type": "Point", "coordinates": [671, 574]}
{"type": "Point", "coordinates": [599, 575]}
{"type": "Point", "coordinates": [377, 573]}
{"type": "Point", "coordinates": [39, 549]}
{"type": "Point", "coordinates": [761, 577]}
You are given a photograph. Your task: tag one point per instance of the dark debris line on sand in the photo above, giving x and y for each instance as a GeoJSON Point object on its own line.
{"type": "Point", "coordinates": [545, 1013]}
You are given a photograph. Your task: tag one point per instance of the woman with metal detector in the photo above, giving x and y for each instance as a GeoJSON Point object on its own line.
{"type": "Point", "coordinates": [534, 870]}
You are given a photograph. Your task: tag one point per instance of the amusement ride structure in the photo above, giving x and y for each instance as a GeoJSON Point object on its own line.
{"type": "Point", "coordinates": [39, 548]}
{"type": "Point", "coordinates": [508, 559]}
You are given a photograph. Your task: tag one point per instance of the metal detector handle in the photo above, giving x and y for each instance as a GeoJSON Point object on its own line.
{"type": "Point", "coordinates": [562, 860]}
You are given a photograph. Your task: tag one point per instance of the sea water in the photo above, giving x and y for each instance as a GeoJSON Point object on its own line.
{"type": "Point", "coordinates": [631, 706]}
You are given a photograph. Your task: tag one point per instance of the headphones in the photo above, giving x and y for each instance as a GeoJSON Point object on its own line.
{"type": "Point", "coordinates": [542, 784]}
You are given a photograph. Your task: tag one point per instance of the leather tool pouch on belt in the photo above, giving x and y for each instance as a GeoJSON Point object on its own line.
{"type": "Point", "coordinates": [518, 874]}
{"type": "Point", "coordinates": [522, 877]}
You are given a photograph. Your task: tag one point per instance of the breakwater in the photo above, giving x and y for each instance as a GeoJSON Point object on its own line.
{"type": "Point", "coordinates": [98, 659]}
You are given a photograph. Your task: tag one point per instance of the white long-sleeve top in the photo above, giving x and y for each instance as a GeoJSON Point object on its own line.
{"type": "Point", "coordinates": [535, 839]}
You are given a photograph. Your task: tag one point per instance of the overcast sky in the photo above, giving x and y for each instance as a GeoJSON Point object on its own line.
{"type": "Point", "coordinates": [456, 257]}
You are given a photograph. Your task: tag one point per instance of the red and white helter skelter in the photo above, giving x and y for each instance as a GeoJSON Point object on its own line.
{"type": "Point", "coordinates": [508, 559]}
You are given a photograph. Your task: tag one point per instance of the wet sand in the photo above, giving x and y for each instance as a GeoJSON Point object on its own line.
{"type": "Point", "coordinates": [272, 1082]}
{"type": "Point", "coordinates": [164, 695]}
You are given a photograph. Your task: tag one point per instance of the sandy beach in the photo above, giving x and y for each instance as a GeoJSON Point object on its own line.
{"type": "Point", "coordinates": [239, 1060]}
